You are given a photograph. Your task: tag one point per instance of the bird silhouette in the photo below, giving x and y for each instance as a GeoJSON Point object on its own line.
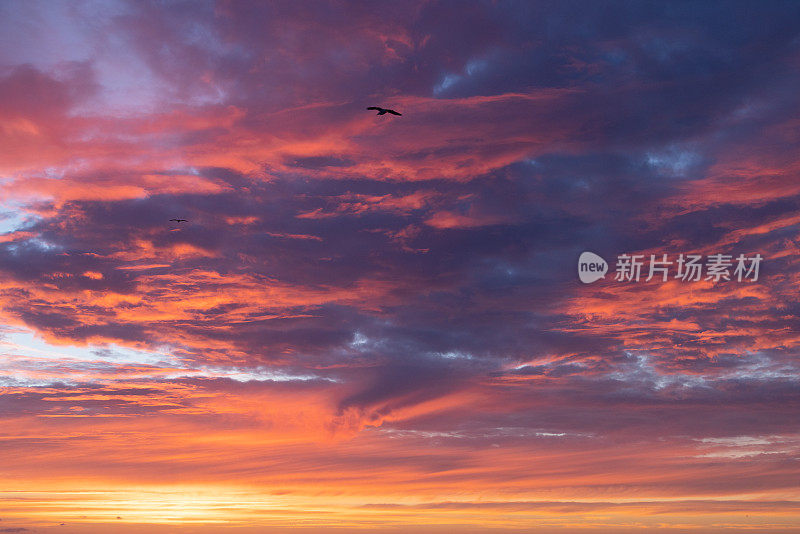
{"type": "Point", "coordinates": [179, 220]}
{"type": "Point", "coordinates": [384, 111]}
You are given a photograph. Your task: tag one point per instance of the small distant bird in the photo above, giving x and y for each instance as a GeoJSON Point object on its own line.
{"type": "Point", "coordinates": [179, 220]}
{"type": "Point", "coordinates": [384, 111]}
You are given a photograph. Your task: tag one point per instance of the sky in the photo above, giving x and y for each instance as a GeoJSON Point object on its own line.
{"type": "Point", "coordinates": [375, 323]}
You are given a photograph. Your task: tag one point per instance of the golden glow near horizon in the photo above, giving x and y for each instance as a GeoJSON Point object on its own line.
{"type": "Point", "coordinates": [204, 506]}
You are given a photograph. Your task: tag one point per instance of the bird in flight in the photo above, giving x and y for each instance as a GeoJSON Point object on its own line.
{"type": "Point", "coordinates": [179, 220]}
{"type": "Point", "coordinates": [384, 111]}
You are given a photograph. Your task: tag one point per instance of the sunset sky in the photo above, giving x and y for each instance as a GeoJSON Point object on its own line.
{"type": "Point", "coordinates": [375, 323]}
